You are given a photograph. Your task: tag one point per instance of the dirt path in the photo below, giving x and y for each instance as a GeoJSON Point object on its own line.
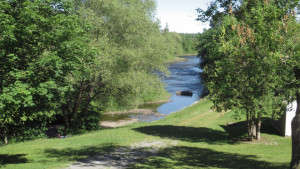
{"type": "Point", "coordinates": [124, 156]}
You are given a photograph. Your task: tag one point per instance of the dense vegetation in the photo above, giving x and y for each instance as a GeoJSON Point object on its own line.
{"type": "Point", "coordinates": [67, 61]}
{"type": "Point", "coordinates": [186, 43]}
{"type": "Point", "coordinates": [189, 43]}
{"type": "Point", "coordinates": [251, 59]}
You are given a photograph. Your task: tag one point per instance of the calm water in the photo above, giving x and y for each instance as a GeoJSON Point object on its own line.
{"type": "Point", "coordinates": [184, 77]}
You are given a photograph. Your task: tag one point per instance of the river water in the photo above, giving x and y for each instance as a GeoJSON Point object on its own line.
{"type": "Point", "coordinates": [184, 77]}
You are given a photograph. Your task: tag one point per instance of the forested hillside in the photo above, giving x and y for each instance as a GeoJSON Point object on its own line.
{"type": "Point", "coordinates": [67, 61]}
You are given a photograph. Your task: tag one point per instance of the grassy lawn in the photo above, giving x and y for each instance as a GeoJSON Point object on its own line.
{"type": "Point", "coordinates": [204, 140]}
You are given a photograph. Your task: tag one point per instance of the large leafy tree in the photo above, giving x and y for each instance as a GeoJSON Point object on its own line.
{"type": "Point", "coordinates": [133, 50]}
{"type": "Point", "coordinates": [254, 63]}
{"type": "Point", "coordinates": [70, 60]}
{"type": "Point", "coordinates": [41, 49]}
{"type": "Point", "coordinates": [130, 50]}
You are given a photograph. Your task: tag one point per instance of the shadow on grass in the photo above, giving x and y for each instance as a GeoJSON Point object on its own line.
{"type": "Point", "coordinates": [12, 159]}
{"type": "Point", "coordinates": [191, 134]}
{"type": "Point", "coordinates": [147, 157]}
{"type": "Point", "coordinates": [93, 157]}
{"type": "Point", "coordinates": [75, 154]}
{"type": "Point", "coordinates": [268, 128]}
{"type": "Point", "coordinates": [191, 157]}
{"type": "Point", "coordinates": [238, 131]}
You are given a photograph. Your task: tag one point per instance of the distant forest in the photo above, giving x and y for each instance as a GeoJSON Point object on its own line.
{"type": "Point", "coordinates": [189, 43]}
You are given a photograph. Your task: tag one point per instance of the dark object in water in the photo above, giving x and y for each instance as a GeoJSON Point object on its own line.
{"type": "Point", "coordinates": [184, 93]}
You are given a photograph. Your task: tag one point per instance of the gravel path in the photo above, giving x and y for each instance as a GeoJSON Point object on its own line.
{"type": "Point", "coordinates": [124, 156]}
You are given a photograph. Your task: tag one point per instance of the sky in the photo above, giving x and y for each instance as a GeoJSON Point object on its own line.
{"type": "Point", "coordinates": [181, 15]}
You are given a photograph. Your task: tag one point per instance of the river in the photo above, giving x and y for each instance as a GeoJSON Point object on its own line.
{"type": "Point", "coordinates": [184, 76]}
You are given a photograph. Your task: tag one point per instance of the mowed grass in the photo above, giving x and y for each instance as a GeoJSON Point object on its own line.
{"type": "Point", "coordinates": [204, 140]}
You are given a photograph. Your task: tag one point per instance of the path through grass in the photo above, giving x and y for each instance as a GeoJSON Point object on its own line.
{"type": "Point", "coordinates": [203, 140]}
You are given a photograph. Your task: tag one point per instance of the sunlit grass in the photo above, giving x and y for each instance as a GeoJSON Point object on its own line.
{"type": "Point", "coordinates": [203, 141]}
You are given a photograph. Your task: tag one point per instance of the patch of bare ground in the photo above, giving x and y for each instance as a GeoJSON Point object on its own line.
{"type": "Point", "coordinates": [113, 124]}
{"type": "Point", "coordinates": [159, 101]}
{"type": "Point", "coordinates": [262, 141]}
{"type": "Point", "coordinates": [119, 123]}
{"type": "Point", "coordinates": [123, 157]}
{"type": "Point", "coordinates": [134, 111]}
{"type": "Point", "coordinates": [256, 142]}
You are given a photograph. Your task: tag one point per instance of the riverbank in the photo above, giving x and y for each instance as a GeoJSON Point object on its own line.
{"type": "Point", "coordinates": [196, 137]}
{"type": "Point", "coordinates": [180, 58]}
{"type": "Point", "coordinates": [177, 59]}
{"type": "Point", "coordinates": [146, 110]}
{"type": "Point", "coordinates": [122, 118]}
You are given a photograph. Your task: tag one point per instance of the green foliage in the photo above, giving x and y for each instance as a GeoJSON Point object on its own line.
{"type": "Point", "coordinates": [133, 49]}
{"type": "Point", "coordinates": [247, 62]}
{"type": "Point", "coordinates": [27, 131]}
{"type": "Point", "coordinates": [189, 43]}
{"type": "Point", "coordinates": [68, 61]}
{"type": "Point", "coordinates": [41, 49]}
{"type": "Point", "coordinates": [174, 42]}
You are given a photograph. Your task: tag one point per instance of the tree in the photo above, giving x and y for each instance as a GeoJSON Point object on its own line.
{"type": "Point", "coordinates": [42, 50]}
{"type": "Point", "coordinates": [68, 61]}
{"type": "Point", "coordinates": [131, 50]}
{"type": "Point", "coordinates": [133, 47]}
{"type": "Point", "coordinates": [257, 62]}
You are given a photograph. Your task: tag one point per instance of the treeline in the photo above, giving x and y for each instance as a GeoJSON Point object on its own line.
{"type": "Point", "coordinates": [185, 43]}
{"type": "Point", "coordinates": [189, 43]}
{"type": "Point", "coordinates": [68, 61]}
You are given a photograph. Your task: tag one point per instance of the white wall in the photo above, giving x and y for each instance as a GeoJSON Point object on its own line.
{"type": "Point", "coordinates": [290, 114]}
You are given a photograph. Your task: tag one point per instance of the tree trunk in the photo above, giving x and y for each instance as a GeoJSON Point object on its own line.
{"type": "Point", "coordinates": [88, 101]}
{"type": "Point", "coordinates": [253, 127]}
{"type": "Point", "coordinates": [250, 126]}
{"type": "Point", "coordinates": [5, 136]}
{"type": "Point", "coordinates": [295, 163]}
{"type": "Point", "coordinates": [78, 100]}
{"type": "Point", "coordinates": [258, 126]}
{"type": "Point", "coordinates": [65, 116]}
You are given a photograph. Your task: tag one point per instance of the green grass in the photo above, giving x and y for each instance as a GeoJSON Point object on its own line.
{"type": "Point", "coordinates": [204, 141]}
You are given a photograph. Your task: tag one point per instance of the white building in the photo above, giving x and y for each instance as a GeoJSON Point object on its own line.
{"type": "Point", "coordinates": [284, 124]}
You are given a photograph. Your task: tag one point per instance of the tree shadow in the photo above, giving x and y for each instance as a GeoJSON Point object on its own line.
{"type": "Point", "coordinates": [12, 159]}
{"type": "Point", "coordinates": [105, 157]}
{"type": "Point", "coordinates": [268, 128]}
{"type": "Point", "coordinates": [238, 131]}
{"type": "Point", "coordinates": [191, 157]}
{"type": "Point", "coordinates": [150, 157]}
{"type": "Point", "coordinates": [75, 154]}
{"type": "Point", "coordinates": [190, 134]}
